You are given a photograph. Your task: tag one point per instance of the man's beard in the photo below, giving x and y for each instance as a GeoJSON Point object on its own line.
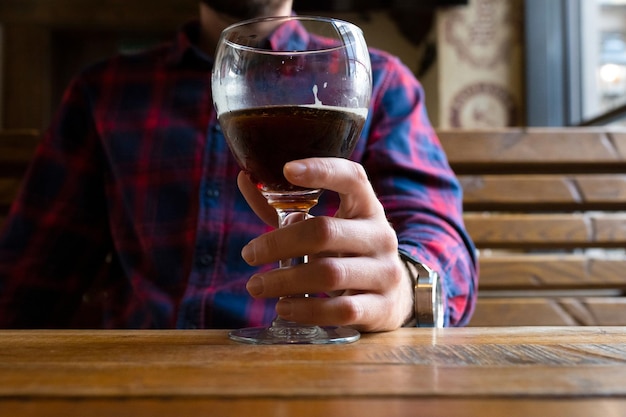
{"type": "Point", "coordinates": [245, 9]}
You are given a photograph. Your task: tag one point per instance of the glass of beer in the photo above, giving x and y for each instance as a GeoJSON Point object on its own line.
{"type": "Point", "coordinates": [288, 88]}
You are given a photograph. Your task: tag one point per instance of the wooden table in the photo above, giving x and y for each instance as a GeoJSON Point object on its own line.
{"type": "Point", "coordinates": [539, 371]}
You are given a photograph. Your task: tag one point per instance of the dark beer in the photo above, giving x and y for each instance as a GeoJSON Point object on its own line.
{"type": "Point", "coordinates": [264, 139]}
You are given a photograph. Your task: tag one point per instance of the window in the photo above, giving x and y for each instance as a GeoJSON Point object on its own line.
{"type": "Point", "coordinates": [575, 62]}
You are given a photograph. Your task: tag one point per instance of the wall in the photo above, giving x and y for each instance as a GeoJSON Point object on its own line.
{"type": "Point", "coordinates": [476, 79]}
{"type": "Point", "coordinates": [481, 69]}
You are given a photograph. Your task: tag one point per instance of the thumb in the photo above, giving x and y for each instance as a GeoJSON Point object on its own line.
{"type": "Point", "coordinates": [256, 201]}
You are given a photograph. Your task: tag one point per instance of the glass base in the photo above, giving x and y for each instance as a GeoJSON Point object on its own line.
{"type": "Point", "coordinates": [302, 335]}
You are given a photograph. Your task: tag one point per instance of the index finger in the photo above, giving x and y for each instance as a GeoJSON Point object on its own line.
{"type": "Point", "coordinates": [345, 177]}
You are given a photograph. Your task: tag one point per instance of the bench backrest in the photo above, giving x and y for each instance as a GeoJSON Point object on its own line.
{"type": "Point", "coordinates": [546, 208]}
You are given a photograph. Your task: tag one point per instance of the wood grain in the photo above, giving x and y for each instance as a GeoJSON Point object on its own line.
{"type": "Point", "coordinates": [544, 192]}
{"type": "Point", "coordinates": [511, 150]}
{"type": "Point", "coordinates": [538, 310]}
{"type": "Point", "coordinates": [315, 407]}
{"type": "Point", "coordinates": [551, 272]}
{"type": "Point", "coordinates": [552, 230]}
{"type": "Point", "coordinates": [546, 208]}
{"type": "Point", "coordinates": [475, 371]}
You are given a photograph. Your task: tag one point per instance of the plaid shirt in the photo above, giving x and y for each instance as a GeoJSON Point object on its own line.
{"type": "Point", "coordinates": [130, 216]}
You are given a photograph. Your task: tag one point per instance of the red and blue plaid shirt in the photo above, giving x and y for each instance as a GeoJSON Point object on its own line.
{"type": "Point", "coordinates": [130, 217]}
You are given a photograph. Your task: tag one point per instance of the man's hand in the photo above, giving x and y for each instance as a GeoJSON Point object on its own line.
{"type": "Point", "coordinates": [353, 256]}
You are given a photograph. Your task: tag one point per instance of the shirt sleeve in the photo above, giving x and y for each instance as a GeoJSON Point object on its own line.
{"type": "Point", "coordinates": [421, 194]}
{"type": "Point", "coordinates": [55, 238]}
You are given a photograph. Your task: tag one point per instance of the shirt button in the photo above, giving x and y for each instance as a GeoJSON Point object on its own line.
{"type": "Point", "coordinates": [206, 259]}
{"type": "Point", "coordinates": [212, 193]}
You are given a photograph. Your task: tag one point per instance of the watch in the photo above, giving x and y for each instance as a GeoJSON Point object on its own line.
{"type": "Point", "coordinates": [427, 294]}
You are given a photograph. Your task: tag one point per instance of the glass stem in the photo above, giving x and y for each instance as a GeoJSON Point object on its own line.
{"type": "Point", "coordinates": [285, 218]}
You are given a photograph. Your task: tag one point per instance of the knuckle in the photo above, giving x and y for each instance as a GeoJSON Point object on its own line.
{"type": "Point", "coordinates": [350, 311]}
{"type": "Point", "coordinates": [389, 239]}
{"type": "Point", "coordinates": [358, 173]}
{"type": "Point", "coordinates": [394, 270]}
{"type": "Point", "coordinates": [333, 273]}
{"type": "Point", "coordinates": [325, 229]}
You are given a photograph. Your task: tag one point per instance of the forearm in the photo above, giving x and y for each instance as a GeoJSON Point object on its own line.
{"type": "Point", "coordinates": [424, 207]}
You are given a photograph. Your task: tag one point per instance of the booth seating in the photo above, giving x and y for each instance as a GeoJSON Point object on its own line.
{"type": "Point", "coordinates": [546, 208]}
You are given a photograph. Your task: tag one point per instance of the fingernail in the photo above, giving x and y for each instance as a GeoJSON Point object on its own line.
{"type": "Point", "coordinates": [283, 308]}
{"type": "Point", "coordinates": [295, 168]}
{"type": "Point", "coordinates": [247, 253]}
{"type": "Point", "coordinates": [255, 286]}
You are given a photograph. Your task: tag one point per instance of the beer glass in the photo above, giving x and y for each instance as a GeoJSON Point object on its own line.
{"type": "Point", "coordinates": [288, 88]}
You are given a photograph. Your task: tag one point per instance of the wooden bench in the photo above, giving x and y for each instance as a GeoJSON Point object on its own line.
{"type": "Point", "coordinates": [16, 151]}
{"type": "Point", "coordinates": [546, 208]}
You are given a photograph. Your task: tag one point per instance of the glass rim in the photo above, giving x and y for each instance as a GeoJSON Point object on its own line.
{"type": "Point", "coordinates": [286, 19]}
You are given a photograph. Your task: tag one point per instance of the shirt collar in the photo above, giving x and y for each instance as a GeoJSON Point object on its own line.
{"type": "Point", "coordinates": [290, 36]}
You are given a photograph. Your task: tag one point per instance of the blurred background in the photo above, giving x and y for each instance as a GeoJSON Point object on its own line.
{"type": "Point", "coordinates": [483, 63]}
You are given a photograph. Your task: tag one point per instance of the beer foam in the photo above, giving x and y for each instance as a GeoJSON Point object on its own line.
{"type": "Point", "coordinates": [359, 111]}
